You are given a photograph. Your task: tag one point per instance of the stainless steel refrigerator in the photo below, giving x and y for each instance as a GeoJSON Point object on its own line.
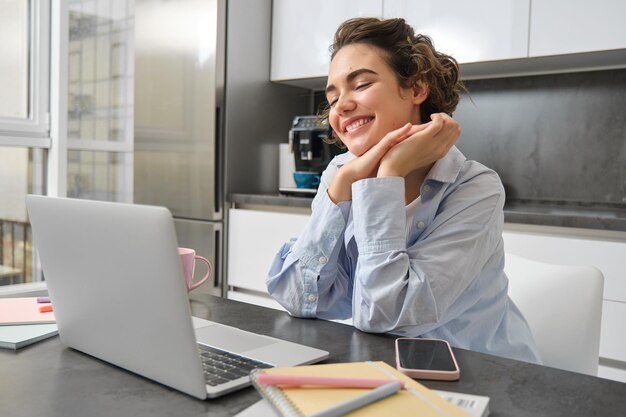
{"type": "Point", "coordinates": [179, 96]}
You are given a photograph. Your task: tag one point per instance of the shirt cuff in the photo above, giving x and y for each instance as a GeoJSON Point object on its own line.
{"type": "Point", "coordinates": [321, 234]}
{"type": "Point", "coordinates": [379, 214]}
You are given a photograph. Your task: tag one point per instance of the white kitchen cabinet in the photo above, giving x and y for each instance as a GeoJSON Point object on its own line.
{"type": "Point", "coordinates": [490, 38]}
{"type": "Point", "coordinates": [482, 30]}
{"type": "Point", "coordinates": [576, 26]}
{"type": "Point", "coordinates": [476, 31]}
{"type": "Point", "coordinates": [254, 238]}
{"type": "Point", "coordinates": [607, 253]}
{"type": "Point", "coordinates": [302, 31]}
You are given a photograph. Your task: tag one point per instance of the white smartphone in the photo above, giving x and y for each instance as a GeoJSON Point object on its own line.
{"type": "Point", "coordinates": [426, 359]}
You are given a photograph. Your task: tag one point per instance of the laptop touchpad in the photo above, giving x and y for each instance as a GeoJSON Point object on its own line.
{"type": "Point", "coordinates": [232, 339]}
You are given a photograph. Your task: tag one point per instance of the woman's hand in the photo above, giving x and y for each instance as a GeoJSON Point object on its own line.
{"type": "Point", "coordinates": [422, 148]}
{"type": "Point", "coordinates": [367, 165]}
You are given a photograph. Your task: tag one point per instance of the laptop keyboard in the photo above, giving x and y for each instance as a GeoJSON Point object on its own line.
{"type": "Point", "coordinates": [221, 366]}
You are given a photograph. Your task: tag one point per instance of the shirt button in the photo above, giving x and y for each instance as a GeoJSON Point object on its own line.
{"type": "Point", "coordinates": [312, 297]}
{"type": "Point", "coordinates": [323, 260]}
{"type": "Point", "coordinates": [426, 188]}
{"type": "Point", "coordinates": [420, 225]}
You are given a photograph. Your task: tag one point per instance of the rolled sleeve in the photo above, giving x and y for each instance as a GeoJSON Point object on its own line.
{"type": "Point", "coordinates": [303, 267]}
{"type": "Point", "coordinates": [379, 214]}
{"type": "Point", "coordinates": [320, 236]}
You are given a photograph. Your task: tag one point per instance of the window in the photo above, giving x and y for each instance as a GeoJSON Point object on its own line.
{"type": "Point", "coordinates": [106, 176]}
{"type": "Point", "coordinates": [24, 72]}
{"type": "Point", "coordinates": [22, 171]}
{"type": "Point", "coordinates": [14, 66]}
{"type": "Point", "coordinates": [100, 97]}
{"type": "Point", "coordinates": [24, 131]}
{"type": "Point", "coordinates": [81, 102]}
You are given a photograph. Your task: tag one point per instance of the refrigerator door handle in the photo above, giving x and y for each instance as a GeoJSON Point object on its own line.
{"type": "Point", "coordinates": [217, 273]}
{"type": "Point", "coordinates": [219, 158]}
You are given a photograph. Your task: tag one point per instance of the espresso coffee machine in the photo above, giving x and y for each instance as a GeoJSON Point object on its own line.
{"type": "Point", "coordinates": [309, 150]}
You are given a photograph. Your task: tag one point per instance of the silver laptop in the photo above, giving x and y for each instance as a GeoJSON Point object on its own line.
{"type": "Point", "coordinates": [115, 279]}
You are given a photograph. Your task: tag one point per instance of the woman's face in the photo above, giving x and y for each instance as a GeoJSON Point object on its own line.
{"type": "Point", "coordinates": [366, 100]}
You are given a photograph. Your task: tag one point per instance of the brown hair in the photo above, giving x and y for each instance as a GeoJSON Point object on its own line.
{"type": "Point", "coordinates": [412, 57]}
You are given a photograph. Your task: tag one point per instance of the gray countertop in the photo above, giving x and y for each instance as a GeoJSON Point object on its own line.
{"type": "Point", "coordinates": [566, 215]}
{"type": "Point", "coordinates": [523, 212]}
{"type": "Point", "coordinates": [49, 379]}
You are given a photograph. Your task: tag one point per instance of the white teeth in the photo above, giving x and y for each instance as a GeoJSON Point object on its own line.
{"type": "Point", "coordinates": [358, 123]}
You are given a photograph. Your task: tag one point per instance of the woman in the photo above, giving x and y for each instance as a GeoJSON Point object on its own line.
{"type": "Point", "coordinates": [405, 234]}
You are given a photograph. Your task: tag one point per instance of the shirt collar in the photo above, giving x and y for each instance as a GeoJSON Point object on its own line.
{"type": "Point", "coordinates": [445, 170]}
{"type": "Point", "coordinates": [344, 158]}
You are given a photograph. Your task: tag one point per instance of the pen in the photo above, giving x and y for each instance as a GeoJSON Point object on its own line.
{"type": "Point", "coordinates": [294, 380]}
{"type": "Point", "coordinates": [360, 401]}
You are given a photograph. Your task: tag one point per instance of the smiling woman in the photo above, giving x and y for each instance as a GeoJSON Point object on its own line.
{"type": "Point", "coordinates": [406, 233]}
{"type": "Point", "coordinates": [365, 99]}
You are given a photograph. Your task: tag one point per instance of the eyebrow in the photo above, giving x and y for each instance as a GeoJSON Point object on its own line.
{"type": "Point", "coordinates": [352, 76]}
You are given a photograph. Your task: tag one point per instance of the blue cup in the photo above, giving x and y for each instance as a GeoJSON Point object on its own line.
{"type": "Point", "coordinates": [305, 179]}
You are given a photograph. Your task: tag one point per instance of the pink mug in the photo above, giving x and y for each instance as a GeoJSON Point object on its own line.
{"type": "Point", "coordinates": [188, 259]}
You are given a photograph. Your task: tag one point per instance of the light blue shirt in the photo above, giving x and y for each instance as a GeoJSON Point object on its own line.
{"type": "Point", "coordinates": [430, 269]}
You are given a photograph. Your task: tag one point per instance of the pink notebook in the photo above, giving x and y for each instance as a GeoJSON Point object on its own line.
{"type": "Point", "coordinates": [23, 311]}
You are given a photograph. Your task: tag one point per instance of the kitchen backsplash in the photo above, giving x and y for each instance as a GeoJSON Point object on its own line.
{"type": "Point", "coordinates": [552, 138]}
{"type": "Point", "coordinates": [558, 138]}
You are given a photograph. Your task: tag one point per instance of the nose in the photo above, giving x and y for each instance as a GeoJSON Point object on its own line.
{"type": "Point", "coordinates": [344, 103]}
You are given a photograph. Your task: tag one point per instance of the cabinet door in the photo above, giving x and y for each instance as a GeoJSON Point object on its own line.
{"type": "Point", "coordinates": [470, 31]}
{"type": "Point", "coordinates": [606, 254]}
{"type": "Point", "coordinates": [254, 238]}
{"type": "Point", "coordinates": [302, 31]}
{"type": "Point", "coordinates": [574, 26]}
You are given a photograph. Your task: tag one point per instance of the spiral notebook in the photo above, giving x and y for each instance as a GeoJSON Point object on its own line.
{"type": "Point", "coordinates": [416, 400]}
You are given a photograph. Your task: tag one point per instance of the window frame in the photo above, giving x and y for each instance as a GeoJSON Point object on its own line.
{"type": "Point", "coordinates": [34, 131]}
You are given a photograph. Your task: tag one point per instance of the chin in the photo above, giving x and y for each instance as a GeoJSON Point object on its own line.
{"type": "Point", "coordinates": [355, 150]}
{"type": "Point", "coordinates": [358, 148]}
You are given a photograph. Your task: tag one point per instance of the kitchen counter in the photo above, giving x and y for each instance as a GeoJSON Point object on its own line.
{"type": "Point", "coordinates": [50, 379]}
{"type": "Point", "coordinates": [522, 212]}
{"type": "Point", "coordinates": [582, 216]}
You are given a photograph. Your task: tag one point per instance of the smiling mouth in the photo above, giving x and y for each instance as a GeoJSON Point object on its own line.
{"type": "Point", "coordinates": [358, 123]}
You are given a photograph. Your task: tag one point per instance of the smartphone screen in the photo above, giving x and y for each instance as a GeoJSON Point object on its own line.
{"type": "Point", "coordinates": [425, 354]}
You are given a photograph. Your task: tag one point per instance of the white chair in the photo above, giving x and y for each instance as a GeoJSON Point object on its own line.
{"type": "Point", "coordinates": [563, 307]}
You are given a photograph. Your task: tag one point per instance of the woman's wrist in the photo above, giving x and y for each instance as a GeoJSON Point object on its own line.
{"type": "Point", "coordinates": [388, 170]}
{"type": "Point", "coordinates": [340, 188]}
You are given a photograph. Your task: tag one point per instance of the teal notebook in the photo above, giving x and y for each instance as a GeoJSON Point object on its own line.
{"type": "Point", "coordinates": [18, 336]}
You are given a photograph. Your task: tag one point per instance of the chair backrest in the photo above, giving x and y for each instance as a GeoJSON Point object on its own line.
{"type": "Point", "coordinates": [563, 307]}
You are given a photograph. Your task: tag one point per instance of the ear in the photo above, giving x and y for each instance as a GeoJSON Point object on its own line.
{"type": "Point", "coordinates": [420, 92]}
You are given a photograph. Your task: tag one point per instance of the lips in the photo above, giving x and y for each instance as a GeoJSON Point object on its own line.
{"type": "Point", "coordinates": [355, 123]}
